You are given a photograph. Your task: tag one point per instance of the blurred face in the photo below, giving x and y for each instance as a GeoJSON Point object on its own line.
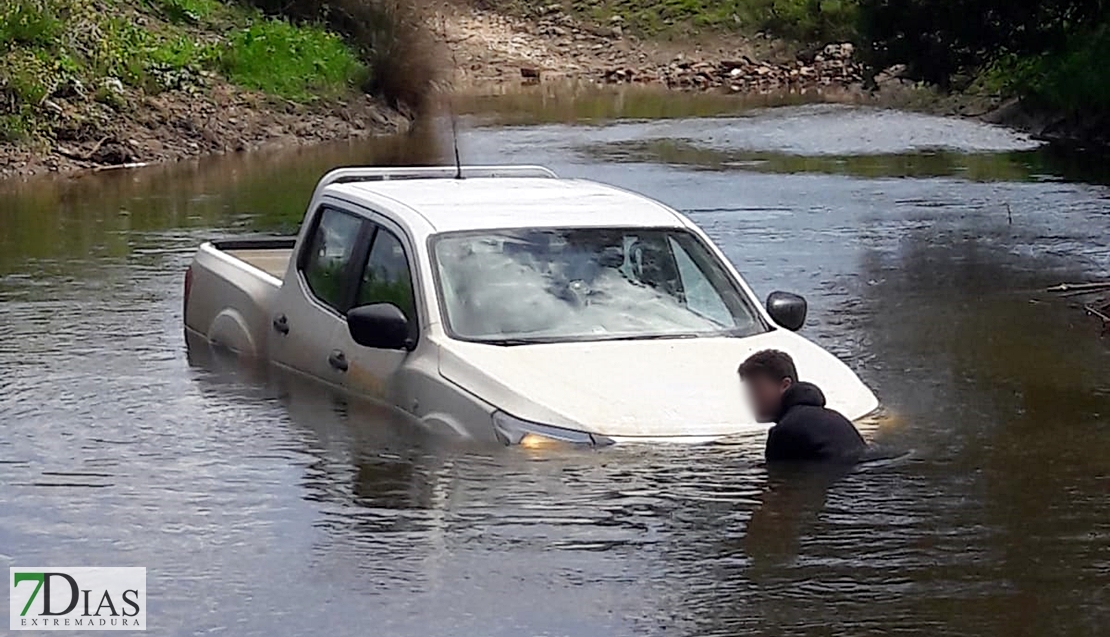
{"type": "Point", "coordinates": [765, 396]}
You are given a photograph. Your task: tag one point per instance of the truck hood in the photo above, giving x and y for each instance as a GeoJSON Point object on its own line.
{"type": "Point", "coordinates": [674, 388]}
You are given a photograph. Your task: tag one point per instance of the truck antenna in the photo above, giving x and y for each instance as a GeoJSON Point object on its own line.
{"type": "Point", "coordinates": [451, 108]}
{"type": "Point", "coordinates": [455, 141]}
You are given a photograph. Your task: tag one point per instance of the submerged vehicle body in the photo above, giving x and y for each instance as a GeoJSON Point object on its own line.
{"type": "Point", "coordinates": [508, 304]}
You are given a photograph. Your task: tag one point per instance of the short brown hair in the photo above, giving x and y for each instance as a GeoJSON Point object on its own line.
{"type": "Point", "coordinates": [769, 363]}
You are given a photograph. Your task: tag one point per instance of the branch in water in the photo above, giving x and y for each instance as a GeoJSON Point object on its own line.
{"type": "Point", "coordinates": [1078, 288]}
{"type": "Point", "coordinates": [1098, 312]}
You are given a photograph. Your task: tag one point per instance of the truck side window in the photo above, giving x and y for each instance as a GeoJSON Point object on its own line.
{"type": "Point", "coordinates": [387, 278]}
{"type": "Point", "coordinates": [325, 266]}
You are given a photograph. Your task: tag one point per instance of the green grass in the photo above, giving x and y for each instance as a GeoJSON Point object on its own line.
{"type": "Point", "coordinates": [295, 62]}
{"type": "Point", "coordinates": [81, 51]}
{"type": "Point", "coordinates": [393, 40]}
{"type": "Point", "coordinates": [31, 23]}
{"type": "Point", "coordinates": [14, 127]}
{"type": "Point", "coordinates": [187, 11]}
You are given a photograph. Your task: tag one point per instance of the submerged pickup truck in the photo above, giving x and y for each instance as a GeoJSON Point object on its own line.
{"type": "Point", "coordinates": [504, 303]}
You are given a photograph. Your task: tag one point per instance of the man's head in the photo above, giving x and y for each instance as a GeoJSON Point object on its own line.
{"type": "Point", "coordinates": [767, 375]}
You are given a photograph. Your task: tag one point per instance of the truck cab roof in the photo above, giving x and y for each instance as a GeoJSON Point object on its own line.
{"type": "Point", "coordinates": [484, 203]}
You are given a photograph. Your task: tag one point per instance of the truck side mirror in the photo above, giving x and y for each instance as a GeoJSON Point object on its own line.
{"type": "Point", "coordinates": [788, 310]}
{"type": "Point", "coordinates": [379, 325]}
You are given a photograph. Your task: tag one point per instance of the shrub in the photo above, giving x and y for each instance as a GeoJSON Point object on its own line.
{"type": "Point", "coordinates": [811, 20]}
{"type": "Point", "coordinates": [31, 22]}
{"type": "Point", "coordinates": [943, 39]}
{"type": "Point", "coordinates": [15, 127]}
{"type": "Point", "coordinates": [26, 78]}
{"type": "Point", "coordinates": [1073, 79]}
{"type": "Point", "coordinates": [397, 49]}
{"type": "Point", "coordinates": [119, 49]}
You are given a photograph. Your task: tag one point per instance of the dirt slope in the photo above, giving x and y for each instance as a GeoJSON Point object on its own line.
{"type": "Point", "coordinates": [492, 52]}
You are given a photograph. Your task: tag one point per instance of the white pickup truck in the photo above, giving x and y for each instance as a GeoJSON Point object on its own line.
{"type": "Point", "coordinates": [504, 303]}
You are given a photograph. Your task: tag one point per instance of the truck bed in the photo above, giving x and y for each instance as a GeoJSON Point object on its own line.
{"type": "Point", "coordinates": [231, 287]}
{"type": "Point", "coordinates": [272, 261]}
{"type": "Point", "coordinates": [269, 255]}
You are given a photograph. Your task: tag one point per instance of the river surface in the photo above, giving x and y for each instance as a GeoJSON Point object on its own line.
{"type": "Point", "coordinates": [269, 507]}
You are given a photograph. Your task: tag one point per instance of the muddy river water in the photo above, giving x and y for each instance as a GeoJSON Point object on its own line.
{"type": "Point", "coordinates": [269, 507]}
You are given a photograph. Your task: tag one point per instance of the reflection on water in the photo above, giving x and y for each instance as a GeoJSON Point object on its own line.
{"type": "Point", "coordinates": [588, 104]}
{"type": "Point", "coordinates": [96, 214]}
{"type": "Point", "coordinates": [1012, 167]}
{"type": "Point", "coordinates": [262, 504]}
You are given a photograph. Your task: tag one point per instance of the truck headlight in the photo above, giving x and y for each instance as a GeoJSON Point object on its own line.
{"type": "Point", "coordinates": [515, 431]}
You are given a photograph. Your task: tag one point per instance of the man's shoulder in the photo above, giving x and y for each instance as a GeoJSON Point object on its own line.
{"type": "Point", "coordinates": [793, 437]}
{"type": "Point", "coordinates": [800, 422]}
{"type": "Point", "coordinates": [801, 416]}
{"type": "Point", "coordinates": [809, 421]}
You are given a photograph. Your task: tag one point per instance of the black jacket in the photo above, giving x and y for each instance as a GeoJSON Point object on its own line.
{"type": "Point", "coordinates": [807, 430]}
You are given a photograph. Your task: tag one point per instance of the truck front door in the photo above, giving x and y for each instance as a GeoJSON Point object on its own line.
{"type": "Point", "coordinates": [317, 292]}
{"type": "Point", "coordinates": [386, 276]}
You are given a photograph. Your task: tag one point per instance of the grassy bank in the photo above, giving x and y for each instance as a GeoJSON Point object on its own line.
{"type": "Point", "coordinates": [70, 65]}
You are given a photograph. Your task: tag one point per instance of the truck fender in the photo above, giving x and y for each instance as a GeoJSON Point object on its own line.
{"type": "Point", "coordinates": [445, 424]}
{"type": "Point", "coordinates": [229, 330]}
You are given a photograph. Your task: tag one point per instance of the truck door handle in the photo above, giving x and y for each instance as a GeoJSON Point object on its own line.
{"type": "Point", "coordinates": [281, 324]}
{"type": "Point", "coordinates": [338, 360]}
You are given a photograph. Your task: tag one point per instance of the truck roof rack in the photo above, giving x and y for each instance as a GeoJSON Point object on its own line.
{"type": "Point", "coordinates": [386, 173]}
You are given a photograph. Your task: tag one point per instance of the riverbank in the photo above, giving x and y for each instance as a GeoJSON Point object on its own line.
{"type": "Point", "coordinates": [1058, 97]}
{"type": "Point", "coordinates": [97, 84]}
{"type": "Point", "coordinates": [175, 126]}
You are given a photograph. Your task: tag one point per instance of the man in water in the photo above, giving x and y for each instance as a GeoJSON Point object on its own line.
{"type": "Point", "coordinates": [805, 430]}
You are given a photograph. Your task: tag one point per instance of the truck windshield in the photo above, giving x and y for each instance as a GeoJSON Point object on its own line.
{"type": "Point", "coordinates": [559, 285]}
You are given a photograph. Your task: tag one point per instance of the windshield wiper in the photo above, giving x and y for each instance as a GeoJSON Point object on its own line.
{"type": "Point", "coordinates": [651, 337]}
{"type": "Point", "coordinates": [596, 338]}
{"type": "Point", "coordinates": [509, 342]}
